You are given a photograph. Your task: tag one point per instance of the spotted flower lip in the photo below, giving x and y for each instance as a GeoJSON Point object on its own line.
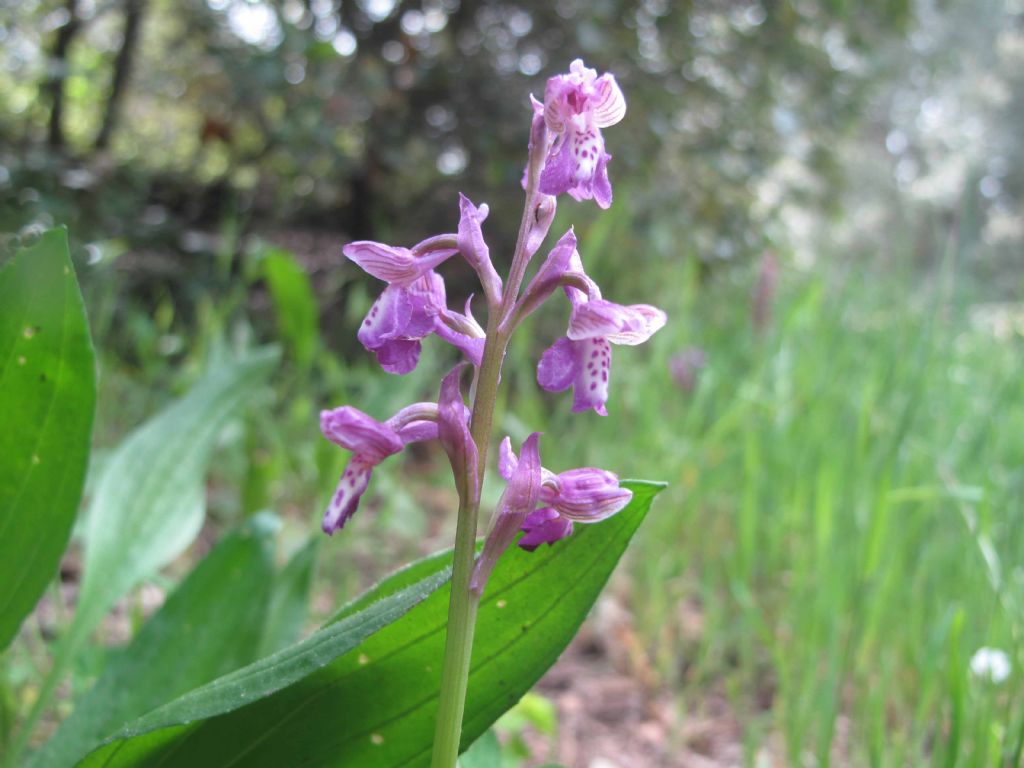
{"type": "Point", "coordinates": [370, 442]}
{"type": "Point", "coordinates": [582, 359]}
{"type": "Point", "coordinates": [576, 107]}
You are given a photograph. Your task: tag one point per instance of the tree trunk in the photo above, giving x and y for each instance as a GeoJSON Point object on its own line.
{"type": "Point", "coordinates": [133, 12]}
{"type": "Point", "coordinates": [58, 72]}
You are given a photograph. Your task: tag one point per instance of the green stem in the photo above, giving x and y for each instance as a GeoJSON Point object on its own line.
{"type": "Point", "coordinates": [463, 605]}
{"type": "Point", "coordinates": [464, 602]}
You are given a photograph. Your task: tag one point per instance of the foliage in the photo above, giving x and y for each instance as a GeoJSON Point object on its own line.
{"type": "Point", "coordinates": [48, 387]}
{"type": "Point", "coordinates": [375, 703]}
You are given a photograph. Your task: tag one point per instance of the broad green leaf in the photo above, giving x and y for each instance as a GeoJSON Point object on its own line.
{"type": "Point", "coordinates": [294, 304]}
{"type": "Point", "coordinates": [148, 504]}
{"type": "Point", "coordinates": [374, 706]}
{"type": "Point", "coordinates": [210, 626]}
{"type": "Point", "coordinates": [289, 599]}
{"type": "Point", "coordinates": [484, 753]}
{"type": "Point", "coordinates": [48, 395]}
{"type": "Point", "coordinates": [275, 673]}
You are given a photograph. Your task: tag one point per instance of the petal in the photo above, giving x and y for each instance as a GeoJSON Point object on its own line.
{"type": "Point", "coordinates": [455, 436]}
{"type": "Point", "coordinates": [387, 318]}
{"type": "Point", "coordinates": [590, 387]}
{"type": "Point", "coordinates": [345, 500]}
{"type": "Point", "coordinates": [394, 265]}
{"type": "Point", "coordinates": [559, 174]}
{"type": "Point", "coordinates": [545, 526]}
{"type": "Point", "coordinates": [507, 460]}
{"type": "Point", "coordinates": [382, 261]}
{"type": "Point", "coordinates": [418, 432]}
{"type": "Point", "coordinates": [588, 495]}
{"type": "Point", "coordinates": [587, 151]}
{"type": "Point", "coordinates": [399, 356]}
{"type": "Point", "coordinates": [558, 366]}
{"type": "Point", "coordinates": [356, 431]}
{"type": "Point", "coordinates": [426, 299]}
{"type": "Point", "coordinates": [629, 325]}
{"type": "Point", "coordinates": [609, 105]}
{"type": "Point", "coordinates": [602, 185]}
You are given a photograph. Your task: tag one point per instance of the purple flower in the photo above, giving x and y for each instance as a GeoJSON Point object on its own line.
{"type": "Point", "coordinates": [410, 308]}
{"type": "Point", "coordinates": [583, 358]}
{"type": "Point", "coordinates": [576, 107]}
{"type": "Point", "coordinates": [685, 367]}
{"type": "Point", "coordinates": [370, 442]}
{"type": "Point", "coordinates": [584, 495]}
{"type": "Point", "coordinates": [519, 499]}
{"type": "Point", "coordinates": [400, 317]}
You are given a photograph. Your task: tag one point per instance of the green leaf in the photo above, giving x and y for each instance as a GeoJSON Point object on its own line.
{"type": "Point", "coordinates": [294, 304]}
{"type": "Point", "coordinates": [374, 706]}
{"type": "Point", "coordinates": [48, 391]}
{"type": "Point", "coordinates": [149, 503]}
{"type": "Point", "coordinates": [279, 671]}
{"type": "Point", "coordinates": [289, 599]}
{"type": "Point", "coordinates": [484, 753]}
{"type": "Point", "coordinates": [210, 626]}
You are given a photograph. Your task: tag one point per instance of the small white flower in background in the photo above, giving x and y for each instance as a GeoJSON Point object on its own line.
{"type": "Point", "coordinates": [990, 664]}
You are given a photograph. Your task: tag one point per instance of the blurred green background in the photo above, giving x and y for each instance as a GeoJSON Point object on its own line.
{"type": "Point", "coordinates": [825, 197]}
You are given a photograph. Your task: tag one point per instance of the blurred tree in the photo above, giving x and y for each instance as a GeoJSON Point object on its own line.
{"type": "Point", "coordinates": [133, 11]}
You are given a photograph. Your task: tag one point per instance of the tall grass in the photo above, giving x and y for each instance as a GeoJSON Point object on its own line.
{"type": "Point", "coordinates": [844, 521]}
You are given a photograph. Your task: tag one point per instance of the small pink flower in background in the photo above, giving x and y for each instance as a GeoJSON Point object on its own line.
{"type": "Point", "coordinates": [764, 292]}
{"type": "Point", "coordinates": [686, 367]}
{"type": "Point", "coordinates": [576, 107]}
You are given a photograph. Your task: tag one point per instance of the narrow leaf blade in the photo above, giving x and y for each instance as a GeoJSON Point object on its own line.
{"type": "Point", "coordinates": [148, 504]}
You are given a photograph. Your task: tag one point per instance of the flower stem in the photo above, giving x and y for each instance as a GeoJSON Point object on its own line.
{"type": "Point", "coordinates": [462, 607]}
{"type": "Point", "coordinates": [464, 602]}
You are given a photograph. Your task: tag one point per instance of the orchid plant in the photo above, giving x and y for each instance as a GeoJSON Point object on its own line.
{"type": "Point", "coordinates": [566, 155]}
